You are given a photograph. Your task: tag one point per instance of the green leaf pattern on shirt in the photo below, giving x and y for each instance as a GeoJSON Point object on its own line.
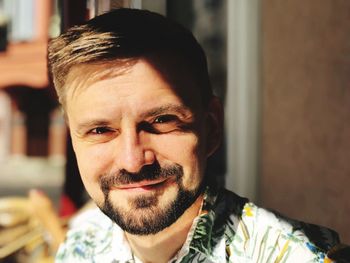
{"type": "Point", "coordinates": [229, 229]}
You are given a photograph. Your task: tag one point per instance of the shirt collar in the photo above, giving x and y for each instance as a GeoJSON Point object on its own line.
{"type": "Point", "coordinates": [200, 237]}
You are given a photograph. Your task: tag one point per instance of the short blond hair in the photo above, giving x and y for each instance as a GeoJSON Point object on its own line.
{"type": "Point", "coordinates": [122, 35]}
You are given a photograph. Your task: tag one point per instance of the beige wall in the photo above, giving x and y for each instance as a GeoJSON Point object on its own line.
{"type": "Point", "coordinates": [306, 110]}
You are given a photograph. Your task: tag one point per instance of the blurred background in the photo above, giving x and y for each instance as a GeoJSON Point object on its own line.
{"type": "Point", "coordinates": [281, 69]}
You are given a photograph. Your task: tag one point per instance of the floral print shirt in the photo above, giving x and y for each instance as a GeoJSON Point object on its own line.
{"type": "Point", "coordinates": [229, 229]}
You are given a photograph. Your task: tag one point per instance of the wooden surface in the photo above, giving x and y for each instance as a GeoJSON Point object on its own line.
{"type": "Point", "coordinates": [24, 64]}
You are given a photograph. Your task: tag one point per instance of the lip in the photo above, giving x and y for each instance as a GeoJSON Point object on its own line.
{"type": "Point", "coordinates": [143, 185]}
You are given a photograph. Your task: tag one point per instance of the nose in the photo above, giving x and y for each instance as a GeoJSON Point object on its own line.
{"type": "Point", "coordinates": [133, 151]}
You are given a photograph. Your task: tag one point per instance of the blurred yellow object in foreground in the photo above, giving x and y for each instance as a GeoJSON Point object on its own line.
{"type": "Point", "coordinates": [23, 237]}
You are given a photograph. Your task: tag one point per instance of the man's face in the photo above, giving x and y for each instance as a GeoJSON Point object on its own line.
{"type": "Point", "coordinates": [141, 150]}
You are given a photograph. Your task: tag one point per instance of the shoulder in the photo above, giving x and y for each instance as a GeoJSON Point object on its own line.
{"type": "Point", "coordinates": [257, 233]}
{"type": "Point", "coordinates": [90, 236]}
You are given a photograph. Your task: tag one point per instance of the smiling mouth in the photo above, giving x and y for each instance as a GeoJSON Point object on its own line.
{"type": "Point", "coordinates": [141, 186]}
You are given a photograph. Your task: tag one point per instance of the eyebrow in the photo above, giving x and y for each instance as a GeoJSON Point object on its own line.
{"type": "Point", "coordinates": [180, 109]}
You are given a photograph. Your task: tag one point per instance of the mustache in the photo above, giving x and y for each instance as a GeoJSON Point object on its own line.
{"type": "Point", "coordinates": [147, 173]}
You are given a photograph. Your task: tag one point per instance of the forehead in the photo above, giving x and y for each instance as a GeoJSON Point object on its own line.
{"type": "Point", "coordinates": [140, 73]}
{"type": "Point", "coordinates": [139, 93]}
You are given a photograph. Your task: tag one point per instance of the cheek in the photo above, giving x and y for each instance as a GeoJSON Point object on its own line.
{"type": "Point", "coordinates": [92, 162]}
{"type": "Point", "coordinates": [185, 151]}
{"type": "Point", "coordinates": [92, 158]}
{"type": "Point", "coordinates": [175, 148]}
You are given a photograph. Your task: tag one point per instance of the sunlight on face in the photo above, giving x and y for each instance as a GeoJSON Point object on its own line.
{"type": "Point", "coordinates": [140, 149]}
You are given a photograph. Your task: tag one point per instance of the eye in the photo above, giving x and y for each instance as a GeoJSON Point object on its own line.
{"type": "Point", "coordinates": [100, 130]}
{"type": "Point", "coordinates": [165, 119]}
{"type": "Point", "coordinates": [101, 134]}
{"type": "Point", "coordinates": [164, 124]}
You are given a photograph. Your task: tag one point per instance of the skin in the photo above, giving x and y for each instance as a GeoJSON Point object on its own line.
{"type": "Point", "coordinates": [107, 119]}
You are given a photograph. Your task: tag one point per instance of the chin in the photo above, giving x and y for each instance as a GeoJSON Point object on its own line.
{"type": "Point", "coordinates": [149, 214]}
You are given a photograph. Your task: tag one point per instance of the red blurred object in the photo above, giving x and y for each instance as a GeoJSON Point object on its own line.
{"type": "Point", "coordinates": [67, 207]}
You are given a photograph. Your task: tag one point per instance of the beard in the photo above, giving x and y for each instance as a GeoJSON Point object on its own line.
{"type": "Point", "coordinates": [144, 215]}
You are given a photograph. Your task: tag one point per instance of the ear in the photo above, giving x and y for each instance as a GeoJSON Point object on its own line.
{"type": "Point", "coordinates": [215, 116]}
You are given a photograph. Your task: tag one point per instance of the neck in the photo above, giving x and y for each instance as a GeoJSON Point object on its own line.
{"type": "Point", "coordinates": [161, 247]}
